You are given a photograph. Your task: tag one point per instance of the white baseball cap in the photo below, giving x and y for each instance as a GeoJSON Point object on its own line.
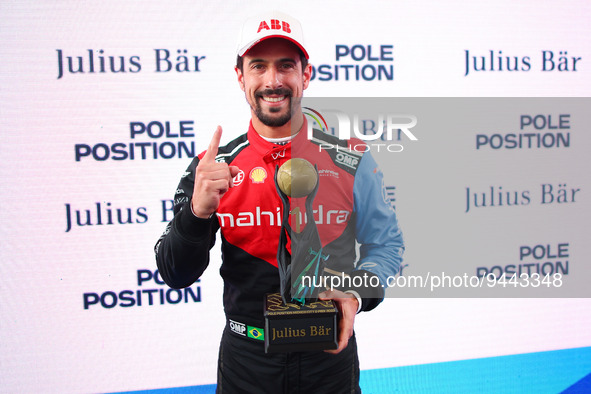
{"type": "Point", "coordinates": [268, 25]}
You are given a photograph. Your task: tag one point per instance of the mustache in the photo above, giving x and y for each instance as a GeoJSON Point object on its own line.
{"type": "Point", "coordinates": [277, 92]}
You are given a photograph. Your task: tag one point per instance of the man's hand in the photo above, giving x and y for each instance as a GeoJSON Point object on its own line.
{"type": "Point", "coordinates": [347, 305]}
{"type": "Point", "coordinates": [212, 180]}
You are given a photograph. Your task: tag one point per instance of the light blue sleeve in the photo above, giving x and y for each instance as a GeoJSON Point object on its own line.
{"type": "Point", "coordinates": [377, 229]}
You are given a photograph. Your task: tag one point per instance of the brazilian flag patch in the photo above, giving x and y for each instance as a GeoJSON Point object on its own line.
{"type": "Point", "coordinates": [255, 333]}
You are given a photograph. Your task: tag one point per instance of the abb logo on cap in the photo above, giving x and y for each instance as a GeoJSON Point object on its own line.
{"type": "Point", "coordinates": [275, 25]}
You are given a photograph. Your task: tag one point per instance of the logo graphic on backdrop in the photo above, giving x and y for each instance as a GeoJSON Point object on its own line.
{"type": "Point", "coordinates": [539, 134]}
{"type": "Point", "coordinates": [358, 63]}
{"type": "Point", "coordinates": [541, 259]}
{"type": "Point", "coordinates": [106, 214]}
{"type": "Point", "coordinates": [99, 62]}
{"type": "Point", "coordinates": [141, 296]}
{"type": "Point", "coordinates": [498, 62]}
{"type": "Point", "coordinates": [148, 141]}
{"type": "Point", "coordinates": [497, 197]}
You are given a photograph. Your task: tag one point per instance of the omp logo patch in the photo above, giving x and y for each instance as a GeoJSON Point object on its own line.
{"type": "Point", "coordinates": [347, 160]}
{"type": "Point", "coordinates": [238, 328]}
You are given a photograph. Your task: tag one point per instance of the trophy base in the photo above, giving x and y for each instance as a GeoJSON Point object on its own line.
{"type": "Point", "coordinates": [296, 328]}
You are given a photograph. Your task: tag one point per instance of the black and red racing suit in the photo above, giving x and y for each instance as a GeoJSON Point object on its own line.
{"type": "Point", "coordinates": [351, 207]}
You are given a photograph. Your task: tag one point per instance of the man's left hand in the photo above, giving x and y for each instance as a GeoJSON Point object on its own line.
{"type": "Point", "coordinates": [347, 305]}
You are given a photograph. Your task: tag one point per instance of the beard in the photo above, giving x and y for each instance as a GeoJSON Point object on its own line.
{"type": "Point", "coordinates": [273, 118]}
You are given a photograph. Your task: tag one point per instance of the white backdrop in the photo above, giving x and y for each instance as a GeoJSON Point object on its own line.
{"type": "Point", "coordinates": [50, 265]}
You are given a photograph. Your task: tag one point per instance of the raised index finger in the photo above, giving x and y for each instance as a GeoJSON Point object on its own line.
{"type": "Point", "coordinates": [212, 149]}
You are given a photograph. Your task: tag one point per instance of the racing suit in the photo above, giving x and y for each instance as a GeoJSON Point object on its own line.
{"type": "Point", "coordinates": [351, 206]}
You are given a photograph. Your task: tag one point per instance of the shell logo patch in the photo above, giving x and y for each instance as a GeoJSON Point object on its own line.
{"type": "Point", "coordinates": [258, 175]}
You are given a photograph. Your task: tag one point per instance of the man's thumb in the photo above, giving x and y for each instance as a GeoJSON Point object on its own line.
{"type": "Point", "coordinates": [234, 171]}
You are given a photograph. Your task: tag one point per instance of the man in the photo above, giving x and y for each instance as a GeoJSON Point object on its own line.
{"type": "Point", "coordinates": [231, 188]}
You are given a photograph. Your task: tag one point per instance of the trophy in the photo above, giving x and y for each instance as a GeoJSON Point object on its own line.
{"type": "Point", "coordinates": [294, 319]}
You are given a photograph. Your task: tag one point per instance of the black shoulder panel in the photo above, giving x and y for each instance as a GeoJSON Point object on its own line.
{"type": "Point", "coordinates": [229, 152]}
{"type": "Point", "coordinates": [338, 150]}
{"type": "Point", "coordinates": [320, 136]}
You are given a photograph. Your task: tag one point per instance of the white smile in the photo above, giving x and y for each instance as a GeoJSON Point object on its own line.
{"type": "Point", "coordinates": [273, 99]}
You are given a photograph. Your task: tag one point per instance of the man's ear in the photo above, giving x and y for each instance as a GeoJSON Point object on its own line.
{"type": "Point", "coordinates": [307, 75]}
{"type": "Point", "coordinates": [240, 78]}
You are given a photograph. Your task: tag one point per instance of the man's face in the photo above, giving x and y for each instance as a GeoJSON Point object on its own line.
{"type": "Point", "coordinates": [271, 77]}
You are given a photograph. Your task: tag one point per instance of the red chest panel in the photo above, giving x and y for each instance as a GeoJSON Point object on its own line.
{"type": "Point", "coordinates": [250, 213]}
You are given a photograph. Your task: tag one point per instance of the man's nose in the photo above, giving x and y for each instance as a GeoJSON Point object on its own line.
{"type": "Point", "coordinates": [273, 78]}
